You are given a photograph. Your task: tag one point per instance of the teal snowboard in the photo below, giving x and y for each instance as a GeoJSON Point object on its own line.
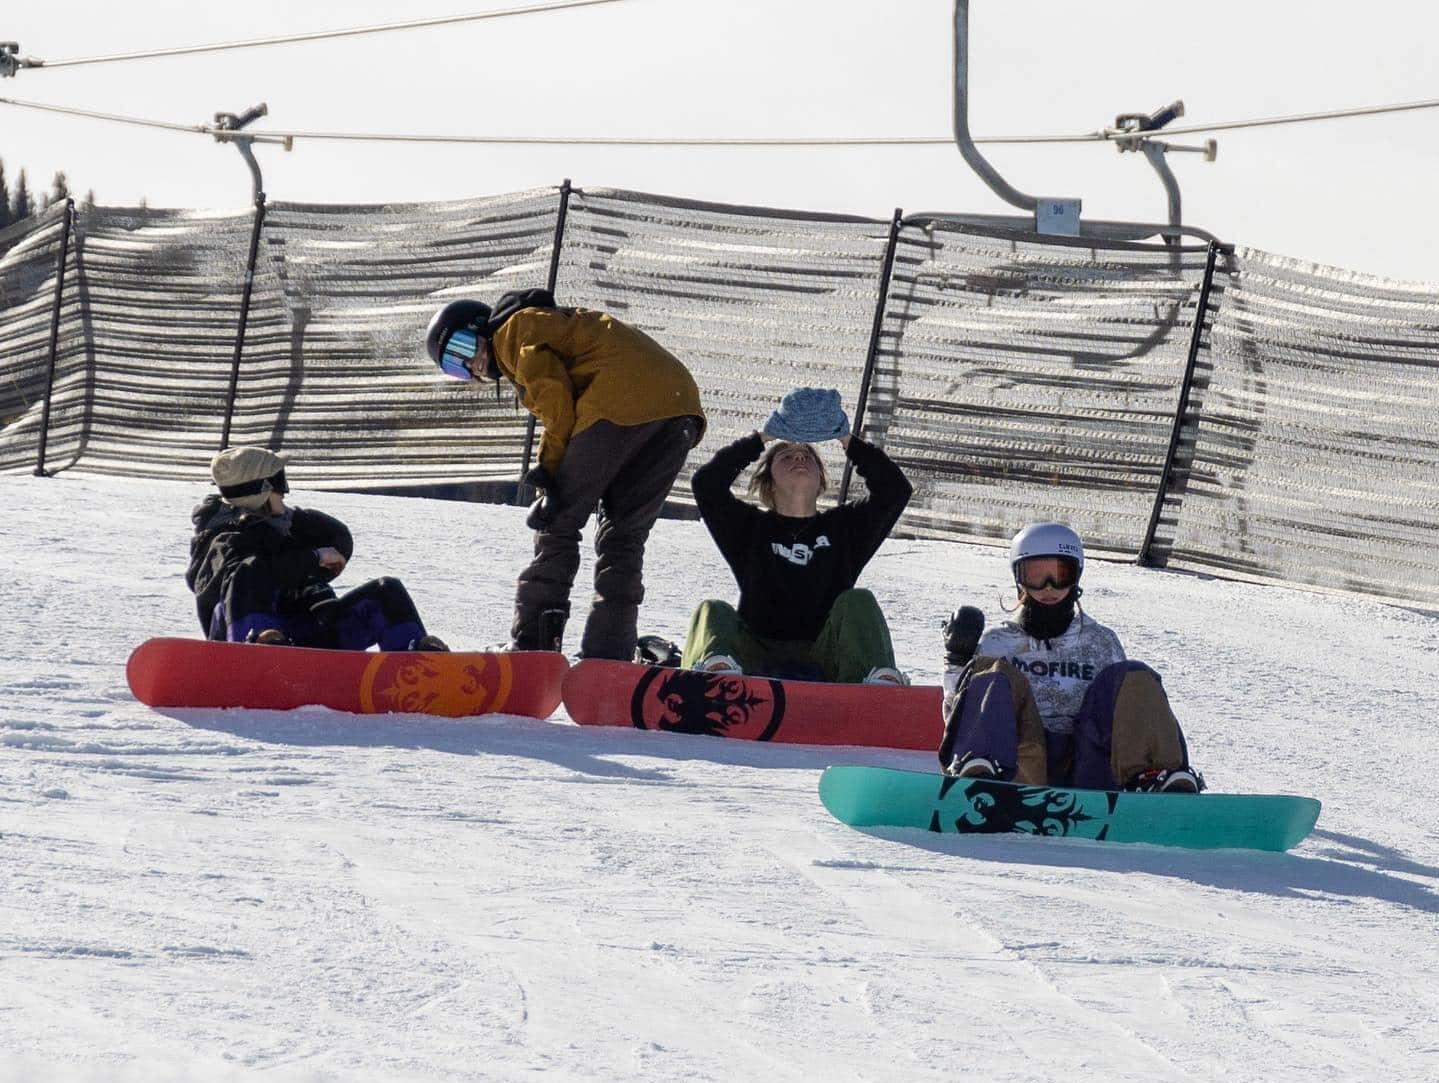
{"type": "Point", "coordinates": [882, 797]}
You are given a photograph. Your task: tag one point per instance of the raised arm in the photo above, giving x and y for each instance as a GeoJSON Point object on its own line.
{"type": "Point", "coordinates": [726, 516]}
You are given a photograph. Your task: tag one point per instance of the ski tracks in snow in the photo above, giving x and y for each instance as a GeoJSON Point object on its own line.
{"type": "Point", "coordinates": [312, 895]}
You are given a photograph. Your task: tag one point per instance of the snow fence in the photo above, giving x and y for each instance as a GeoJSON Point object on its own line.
{"type": "Point", "coordinates": [1290, 434]}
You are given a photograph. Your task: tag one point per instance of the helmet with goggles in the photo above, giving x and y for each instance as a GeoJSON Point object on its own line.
{"type": "Point", "coordinates": [1041, 541]}
{"type": "Point", "coordinates": [453, 338]}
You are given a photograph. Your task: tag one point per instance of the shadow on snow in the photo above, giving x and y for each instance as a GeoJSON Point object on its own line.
{"type": "Point", "coordinates": [1343, 865]}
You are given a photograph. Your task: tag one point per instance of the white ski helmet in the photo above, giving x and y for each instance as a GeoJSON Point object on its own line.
{"type": "Point", "coordinates": [1046, 540]}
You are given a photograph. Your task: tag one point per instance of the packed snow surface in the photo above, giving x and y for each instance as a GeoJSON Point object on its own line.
{"type": "Point", "coordinates": [319, 896]}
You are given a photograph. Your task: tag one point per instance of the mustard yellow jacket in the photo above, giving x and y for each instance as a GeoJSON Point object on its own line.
{"type": "Point", "coordinates": [576, 366]}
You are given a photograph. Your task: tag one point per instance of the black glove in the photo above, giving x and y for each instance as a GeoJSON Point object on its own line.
{"type": "Point", "coordinates": [961, 635]}
{"type": "Point", "coordinates": [316, 598]}
{"type": "Point", "coordinates": [537, 477]}
{"type": "Point", "coordinates": [539, 516]}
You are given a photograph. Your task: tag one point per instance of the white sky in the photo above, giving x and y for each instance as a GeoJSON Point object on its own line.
{"type": "Point", "coordinates": [766, 68]}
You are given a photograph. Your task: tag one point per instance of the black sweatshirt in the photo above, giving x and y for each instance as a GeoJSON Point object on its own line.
{"type": "Point", "coordinates": [791, 570]}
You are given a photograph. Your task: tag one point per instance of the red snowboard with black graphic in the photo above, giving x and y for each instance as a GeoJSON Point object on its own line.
{"type": "Point", "coordinates": [204, 673]}
{"type": "Point", "coordinates": [605, 693]}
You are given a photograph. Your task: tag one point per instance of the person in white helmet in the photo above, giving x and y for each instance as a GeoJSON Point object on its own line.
{"type": "Point", "coordinates": [1049, 697]}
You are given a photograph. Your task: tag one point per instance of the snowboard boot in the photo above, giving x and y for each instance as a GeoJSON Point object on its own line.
{"type": "Point", "coordinates": [269, 637]}
{"type": "Point", "coordinates": [545, 633]}
{"type": "Point", "coordinates": [1166, 780]}
{"type": "Point", "coordinates": [973, 766]}
{"type": "Point", "coordinates": [656, 651]}
{"type": "Point", "coordinates": [961, 635]}
{"type": "Point", "coordinates": [552, 630]}
{"type": "Point", "coordinates": [886, 675]}
{"type": "Point", "coordinates": [720, 665]}
{"type": "Point", "coordinates": [428, 643]}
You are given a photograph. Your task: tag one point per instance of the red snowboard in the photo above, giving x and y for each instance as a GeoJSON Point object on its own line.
{"type": "Point", "coordinates": [201, 673]}
{"type": "Point", "coordinates": [602, 693]}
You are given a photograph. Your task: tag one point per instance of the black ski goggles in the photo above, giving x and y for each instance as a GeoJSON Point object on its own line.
{"type": "Point", "coordinates": [1038, 574]}
{"type": "Point", "coordinates": [275, 483]}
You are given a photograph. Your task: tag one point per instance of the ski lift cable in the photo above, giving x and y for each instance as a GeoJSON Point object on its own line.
{"type": "Point", "coordinates": [113, 118]}
{"type": "Point", "coordinates": [318, 35]}
{"type": "Point", "coordinates": [1105, 135]}
{"type": "Point", "coordinates": [1292, 118]}
{"type": "Point", "coordinates": [388, 137]}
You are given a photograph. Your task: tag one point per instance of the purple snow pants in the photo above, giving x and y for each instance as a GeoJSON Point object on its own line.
{"type": "Point", "coordinates": [1124, 726]}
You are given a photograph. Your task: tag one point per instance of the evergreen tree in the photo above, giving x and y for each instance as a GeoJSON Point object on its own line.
{"type": "Point", "coordinates": [88, 203]}
{"type": "Point", "coordinates": [59, 189]}
{"type": "Point", "coordinates": [21, 207]}
{"type": "Point", "coordinates": [4, 198]}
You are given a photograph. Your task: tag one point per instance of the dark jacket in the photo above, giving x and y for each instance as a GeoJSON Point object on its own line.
{"type": "Point", "coordinates": [226, 536]}
{"type": "Point", "coordinates": [790, 571]}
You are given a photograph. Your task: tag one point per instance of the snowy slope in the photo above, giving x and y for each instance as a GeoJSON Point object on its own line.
{"type": "Point", "coordinates": [317, 896]}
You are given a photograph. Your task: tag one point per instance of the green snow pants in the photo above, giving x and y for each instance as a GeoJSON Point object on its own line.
{"type": "Point", "coordinates": [854, 640]}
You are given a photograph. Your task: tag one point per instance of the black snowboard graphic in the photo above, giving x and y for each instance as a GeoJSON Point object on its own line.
{"type": "Point", "coordinates": [996, 807]}
{"type": "Point", "coordinates": [710, 704]}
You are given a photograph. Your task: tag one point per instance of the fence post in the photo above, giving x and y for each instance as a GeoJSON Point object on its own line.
{"type": "Point", "coordinates": [521, 496]}
{"type": "Point", "coordinates": [54, 335]}
{"type": "Point", "coordinates": [1144, 559]}
{"type": "Point", "coordinates": [873, 353]}
{"type": "Point", "coordinates": [244, 319]}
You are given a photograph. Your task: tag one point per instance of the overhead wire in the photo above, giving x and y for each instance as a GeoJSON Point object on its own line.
{"type": "Point", "coordinates": [317, 35]}
{"type": "Point", "coordinates": [1299, 118]}
{"type": "Point", "coordinates": [114, 118]}
{"type": "Point", "coordinates": [1104, 135]}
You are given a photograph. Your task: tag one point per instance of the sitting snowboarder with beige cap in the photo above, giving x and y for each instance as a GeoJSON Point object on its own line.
{"type": "Point", "coordinates": [261, 571]}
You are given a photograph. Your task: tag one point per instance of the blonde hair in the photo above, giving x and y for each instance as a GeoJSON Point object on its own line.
{"type": "Point", "coordinates": [761, 485]}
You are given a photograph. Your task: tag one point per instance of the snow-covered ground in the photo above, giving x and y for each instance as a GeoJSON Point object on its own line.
{"type": "Point", "coordinates": [311, 895]}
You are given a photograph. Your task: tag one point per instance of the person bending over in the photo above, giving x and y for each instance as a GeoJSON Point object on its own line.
{"type": "Point", "coordinates": [620, 412]}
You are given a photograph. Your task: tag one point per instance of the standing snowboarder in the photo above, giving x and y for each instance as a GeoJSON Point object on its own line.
{"type": "Point", "coordinates": [1049, 698]}
{"type": "Point", "coordinates": [799, 612]}
{"type": "Point", "coordinates": [620, 414]}
{"type": "Point", "coordinates": [261, 571]}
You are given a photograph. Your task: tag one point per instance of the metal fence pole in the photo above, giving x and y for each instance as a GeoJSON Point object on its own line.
{"type": "Point", "coordinates": [521, 496]}
{"type": "Point", "coordinates": [1201, 315]}
{"type": "Point", "coordinates": [54, 335]}
{"type": "Point", "coordinates": [873, 353]}
{"type": "Point", "coordinates": [244, 319]}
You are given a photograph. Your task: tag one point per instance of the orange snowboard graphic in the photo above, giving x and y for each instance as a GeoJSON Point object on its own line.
{"type": "Point", "coordinates": [452, 685]}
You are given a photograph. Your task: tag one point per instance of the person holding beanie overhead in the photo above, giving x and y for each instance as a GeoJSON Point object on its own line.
{"type": "Point", "coordinates": [799, 614]}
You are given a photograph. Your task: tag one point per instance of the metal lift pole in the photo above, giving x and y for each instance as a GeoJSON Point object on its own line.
{"type": "Point", "coordinates": [962, 137]}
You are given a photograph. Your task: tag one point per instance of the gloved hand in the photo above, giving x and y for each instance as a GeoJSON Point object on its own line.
{"type": "Point", "coordinates": [319, 600]}
{"type": "Point", "coordinates": [540, 513]}
{"type": "Point", "coordinates": [538, 477]}
{"type": "Point", "coordinates": [961, 635]}
{"type": "Point", "coordinates": [809, 415]}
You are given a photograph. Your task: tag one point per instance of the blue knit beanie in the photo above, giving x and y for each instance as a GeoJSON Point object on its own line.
{"type": "Point", "coordinates": [809, 415]}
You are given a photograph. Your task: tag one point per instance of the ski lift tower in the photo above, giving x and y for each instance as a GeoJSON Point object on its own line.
{"type": "Point", "coordinates": [1061, 214]}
